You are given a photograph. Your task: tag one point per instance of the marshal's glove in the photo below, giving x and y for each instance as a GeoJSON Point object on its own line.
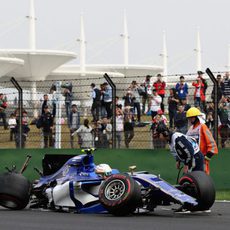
{"type": "Point", "coordinates": [208, 156]}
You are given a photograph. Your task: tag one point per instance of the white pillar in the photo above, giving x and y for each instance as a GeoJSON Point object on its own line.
{"type": "Point", "coordinates": [34, 98]}
{"type": "Point", "coordinates": [198, 51]}
{"type": "Point", "coordinates": [125, 36]}
{"type": "Point", "coordinates": [165, 56]}
{"type": "Point", "coordinates": [82, 46]}
{"type": "Point", "coordinates": [58, 116]}
{"type": "Point", "coordinates": [228, 65]}
{"type": "Point", "coordinates": [32, 32]}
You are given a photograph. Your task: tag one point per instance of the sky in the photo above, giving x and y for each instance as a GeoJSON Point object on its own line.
{"type": "Point", "coordinates": [58, 27]}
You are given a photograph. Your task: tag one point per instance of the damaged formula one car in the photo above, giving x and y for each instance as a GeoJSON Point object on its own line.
{"type": "Point", "coordinates": [75, 183]}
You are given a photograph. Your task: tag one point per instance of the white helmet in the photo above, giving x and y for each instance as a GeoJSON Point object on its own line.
{"type": "Point", "coordinates": [103, 169]}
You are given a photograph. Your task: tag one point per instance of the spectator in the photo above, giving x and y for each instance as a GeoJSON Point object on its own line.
{"type": "Point", "coordinates": [74, 123]}
{"type": "Point", "coordinates": [199, 94]}
{"type": "Point", "coordinates": [12, 124]}
{"type": "Point", "coordinates": [118, 104]}
{"type": "Point", "coordinates": [185, 104]}
{"type": "Point", "coordinates": [46, 123]}
{"type": "Point", "coordinates": [157, 141]}
{"type": "Point", "coordinates": [160, 85]}
{"type": "Point", "coordinates": [200, 75]}
{"type": "Point", "coordinates": [182, 89]}
{"type": "Point", "coordinates": [128, 99]}
{"type": "Point", "coordinates": [136, 99]}
{"type": "Point", "coordinates": [103, 110]}
{"type": "Point", "coordinates": [25, 130]}
{"type": "Point", "coordinates": [220, 88]}
{"type": "Point", "coordinates": [105, 133]}
{"type": "Point", "coordinates": [128, 126]}
{"type": "Point", "coordinates": [155, 103]}
{"type": "Point", "coordinates": [45, 102]}
{"type": "Point", "coordinates": [147, 85]}
{"type": "Point", "coordinates": [224, 118]}
{"type": "Point", "coordinates": [210, 121]}
{"type": "Point", "coordinates": [226, 86]}
{"type": "Point", "coordinates": [96, 96]}
{"type": "Point", "coordinates": [173, 101]}
{"type": "Point", "coordinates": [181, 121]}
{"type": "Point", "coordinates": [53, 90]}
{"type": "Point", "coordinates": [68, 96]}
{"type": "Point", "coordinates": [119, 126]}
{"type": "Point", "coordinates": [107, 99]}
{"type": "Point", "coordinates": [85, 132]}
{"type": "Point", "coordinates": [3, 106]}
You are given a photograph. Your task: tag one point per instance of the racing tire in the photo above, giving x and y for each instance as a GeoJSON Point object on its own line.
{"type": "Point", "coordinates": [200, 186]}
{"type": "Point", "coordinates": [120, 194]}
{"type": "Point", "coordinates": [14, 191]}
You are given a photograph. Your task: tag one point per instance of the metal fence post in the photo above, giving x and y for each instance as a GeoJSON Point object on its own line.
{"type": "Point", "coordinates": [113, 86]}
{"type": "Point", "coordinates": [58, 116]}
{"type": "Point", "coordinates": [215, 85]}
{"type": "Point", "coordinates": [20, 107]}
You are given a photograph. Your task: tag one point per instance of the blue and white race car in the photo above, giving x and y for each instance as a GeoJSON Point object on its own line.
{"type": "Point", "coordinates": [75, 183]}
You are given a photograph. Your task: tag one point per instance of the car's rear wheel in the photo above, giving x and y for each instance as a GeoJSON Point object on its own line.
{"type": "Point", "coordinates": [120, 194]}
{"type": "Point", "coordinates": [14, 191]}
{"type": "Point", "coordinates": [200, 186]}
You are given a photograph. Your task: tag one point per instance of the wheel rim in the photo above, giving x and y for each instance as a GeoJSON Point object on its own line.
{"type": "Point", "coordinates": [114, 190]}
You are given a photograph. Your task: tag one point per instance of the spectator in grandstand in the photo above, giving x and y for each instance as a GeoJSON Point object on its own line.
{"type": "Point", "coordinates": [209, 107]}
{"type": "Point", "coordinates": [68, 94]}
{"type": "Point", "coordinates": [156, 140]}
{"type": "Point", "coordinates": [45, 102]}
{"type": "Point", "coordinates": [136, 99]}
{"type": "Point", "coordinates": [173, 101]}
{"type": "Point", "coordinates": [205, 83]}
{"type": "Point", "coordinates": [85, 132]}
{"type": "Point", "coordinates": [118, 104]}
{"type": "Point", "coordinates": [25, 129]}
{"type": "Point", "coordinates": [199, 94]}
{"type": "Point", "coordinates": [181, 121]}
{"type": "Point", "coordinates": [226, 86]}
{"type": "Point", "coordinates": [224, 120]}
{"type": "Point", "coordinates": [12, 125]}
{"type": "Point", "coordinates": [185, 104]}
{"type": "Point", "coordinates": [96, 97]}
{"type": "Point", "coordinates": [102, 109]}
{"type": "Point", "coordinates": [74, 123]}
{"type": "Point", "coordinates": [46, 123]}
{"type": "Point", "coordinates": [160, 85]}
{"type": "Point", "coordinates": [182, 88]}
{"type": "Point", "coordinates": [128, 99]}
{"type": "Point", "coordinates": [155, 103]}
{"type": "Point", "coordinates": [107, 93]}
{"type": "Point", "coordinates": [147, 93]}
{"type": "Point", "coordinates": [3, 106]}
{"type": "Point", "coordinates": [105, 129]}
{"type": "Point", "coordinates": [128, 126]}
{"type": "Point", "coordinates": [119, 125]}
{"type": "Point", "coordinates": [220, 88]}
{"type": "Point", "coordinates": [210, 121]}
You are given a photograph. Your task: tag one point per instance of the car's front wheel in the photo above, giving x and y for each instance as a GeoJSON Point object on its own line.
{"type": "Point", "coordinates": [200, 186]}
{"type": "Point", "coordinates": [120, 194]}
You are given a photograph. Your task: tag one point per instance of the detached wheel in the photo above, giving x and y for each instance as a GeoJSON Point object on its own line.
{"type": "Point", "coordinates": [200, 186]}
{"type": "Point", "coordinates": [120, 194]}
{"type": "Point", "coordinates": [14, 191]}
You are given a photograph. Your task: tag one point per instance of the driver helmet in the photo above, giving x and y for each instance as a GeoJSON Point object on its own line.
{"type": "Point", "coordinates": [162, 128]}
{"type": "Point", "coordinates": [103, 169]}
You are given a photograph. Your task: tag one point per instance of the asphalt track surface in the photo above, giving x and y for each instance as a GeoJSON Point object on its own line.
{"type": "Point", "coordinates": [162, 218]}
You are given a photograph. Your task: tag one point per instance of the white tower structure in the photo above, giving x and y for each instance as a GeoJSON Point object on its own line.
{"type": "Point", "coordinates": [228, 65]}
{"type": "Point", "coordinates": [82, 46]}
{"type": "Point", "coordinates": [125, 36]}
{"type": "Point", "coordinates": [165, 55]}
{"type": "Point", "coordinates": [198, 51]}
{"type": "Point", "coordinates": [32, 33]}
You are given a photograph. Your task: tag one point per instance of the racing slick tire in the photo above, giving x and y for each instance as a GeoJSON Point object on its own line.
{"type": "Point", "coordinates": [200, 186]}
{"type": "Point", "coordinates": [14, 191]}
{"type": "Point", "coordinates": [120, 194]}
